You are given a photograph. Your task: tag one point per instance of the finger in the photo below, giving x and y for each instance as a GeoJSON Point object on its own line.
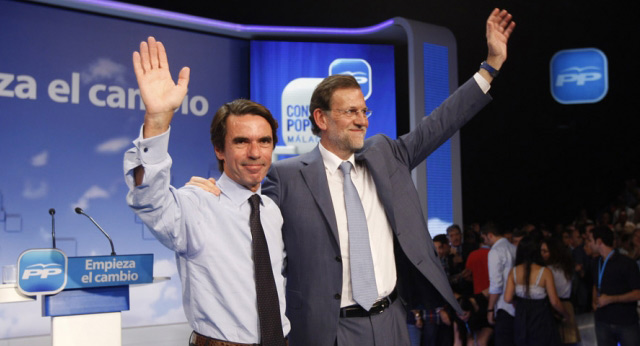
{"type": "Point", "coordinates": [153, 52]}
{"type": "Point", "coordinates": [137, 65]}
{"type": "Point", "coordinates": [144, 56]}
{"type": "Point", "coordinates": [503, 14]}
{"type": "Point", "coordinates": [213, 180]}
{"type": "Point", "coordinates": [200, 185]}
{"type": "Point", "coordinates": [196, 179]}
{"type": "Point", "coordinates": [163, 62]}
{"type": "Point", "coordinates": [506, 20]}
{"type": "Point", "coordinates": [183, 78]}
{"type": "Point", "coordinates": [509, 29]}
{"type": "Point", "coordinates": [494, 13]}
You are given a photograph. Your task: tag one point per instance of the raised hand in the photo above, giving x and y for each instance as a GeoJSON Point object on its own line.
{"type": "Point", "coordinates": [161, 96]}
{"type": "Point", "coordinates": [499, 27]}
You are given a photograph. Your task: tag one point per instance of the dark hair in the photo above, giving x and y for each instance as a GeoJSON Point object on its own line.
{"type": "Point", "coordinates": [604, 233]}
{"type": "Point", "coordinates": [528, 252]}
{"type": "Point", "coordinates": [321, 97]}
{"type": "Point", "coordinates": [238, 107]}
{"type": "Point", "coordinates": [519, 232]}
{"type": "Point", "coordinates": [452, 227]}
{"type": "Point", "coordinates": [490, 227]}
{"type": "Point", "coordinates": [559, 256]}
{"type": "Point", "coordinates": [441, 238]}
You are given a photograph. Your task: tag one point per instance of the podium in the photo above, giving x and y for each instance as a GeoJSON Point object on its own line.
{"type": "Point", "coordinates": [84, 296]}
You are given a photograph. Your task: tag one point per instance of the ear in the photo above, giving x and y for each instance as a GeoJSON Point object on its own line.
{"type": "Point", "coordinates": [219, 154]}
{"type": "Point", "coordinates": [320, 118]}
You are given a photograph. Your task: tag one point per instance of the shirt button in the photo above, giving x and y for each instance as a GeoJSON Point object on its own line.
{"type": "Point", "coordinates": [145, 149]}
{"type": "Point", "coordinates": [338, 259]}
{"type": "Point", "coordinates": [337, 296]}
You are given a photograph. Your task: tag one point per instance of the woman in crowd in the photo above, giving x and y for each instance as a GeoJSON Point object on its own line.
{"type": "Point", "coordinates": [530, 288]}
{"type": "Point", "coordinates": [558, 259]}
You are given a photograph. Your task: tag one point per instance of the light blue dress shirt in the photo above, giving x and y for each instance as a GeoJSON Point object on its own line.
{"type": "Point", "coordinates": [502, 257]}
{"type": "Point", "coordinates": [212, 241]}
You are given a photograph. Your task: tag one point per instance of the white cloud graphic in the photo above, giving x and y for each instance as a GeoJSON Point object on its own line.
{"type": "Point", "coordinates": [93, 192]}
{"type": "Point", "coordinates": [437, 226]}
{"type": "Point", "coordinates": [104, 69]}
{"type": "Point", "coordinates": [165, 267]}
{"type": "Point", "coordinates": [114, 145]}
{"type": "Point", "coordinates": [35, 191]}
{"type": "Point", "coordinates": [40, 159]}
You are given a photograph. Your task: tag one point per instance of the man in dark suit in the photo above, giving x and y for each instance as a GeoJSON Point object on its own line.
{"type": "Point", "coordinates": [312, 193]}
{"type": "Point", "coordinates": [309, 191]}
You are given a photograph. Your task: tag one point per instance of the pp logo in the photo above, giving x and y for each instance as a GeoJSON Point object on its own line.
{"type": "Point", "coordinates": [42, 271]}
{"type": "Point", "coordinates": [358, 68]}
{"type": "Point", "coordinates": [579, 76]}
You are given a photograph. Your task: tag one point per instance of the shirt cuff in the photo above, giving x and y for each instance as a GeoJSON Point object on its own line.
{"type": "Point", "coordinates": [154, 149]}
{"type": "Point", "coordinates": [482, 83]}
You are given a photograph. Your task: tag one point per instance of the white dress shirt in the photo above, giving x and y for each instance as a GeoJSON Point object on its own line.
{"type": "Point", "coordinates": [501, 259]}
{"type": "Point", "coordinates": [380, 233]}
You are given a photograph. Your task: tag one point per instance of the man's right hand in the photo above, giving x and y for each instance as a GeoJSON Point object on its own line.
{"type": "Point", "coordinates": [208, 185]}
{"type": "Point", "coordinates": [490, 318]}
{"type": "Point", "coordinates": [161, 96]}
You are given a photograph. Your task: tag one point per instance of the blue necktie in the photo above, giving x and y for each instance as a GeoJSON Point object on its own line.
{"type": "Point", "coordinates": [363, 279]}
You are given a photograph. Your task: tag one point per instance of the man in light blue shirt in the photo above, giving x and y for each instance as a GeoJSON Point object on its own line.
{"type": "Point", "coordinates": [500, 261]}
{"type": "Point", "coordinates": [211, 235]}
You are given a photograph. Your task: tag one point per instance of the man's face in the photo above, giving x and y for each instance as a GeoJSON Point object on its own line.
{"type": "Point", "coordinates": [455, 238]}
{"type": "Point", "coordinates": [516, 240]}
{"type": "Point", "coordinates": [485, 239]}
{"type": "Point", "coordinates": [591, 243]}
{"type": "Point", "coordinates": [441, 249]}
{"type": "Point", "coordinates": [576, 238]}
{"type": "Point", "coordinates": [344, 135]}
{"type": "Point", "coordinates": [247, 150]}
{"type": "Point", "coordinates": [566, 239]}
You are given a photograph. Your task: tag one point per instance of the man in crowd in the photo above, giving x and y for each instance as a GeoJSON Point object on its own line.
{"type": "Point", "coordinates": [616, 292]}
{"type": "Point", "coordinates": [229, 249]}
{"type": "Point", "coordinates": [500, 261]}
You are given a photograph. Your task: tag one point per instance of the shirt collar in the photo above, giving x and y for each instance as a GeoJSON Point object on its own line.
{"type": "Point", "coordinates": [237, 193]}
{"type": "Point", "coordinates": [332, 161]}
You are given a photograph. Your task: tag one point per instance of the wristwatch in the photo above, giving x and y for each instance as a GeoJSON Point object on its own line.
{"type": "Point", "coordinates": [492, 71]}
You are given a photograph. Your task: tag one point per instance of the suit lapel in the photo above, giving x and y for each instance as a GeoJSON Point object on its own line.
{"type": "Point", "coordinates": [315, 177]}
{"type": "Point", "coordinates": [380, 176]}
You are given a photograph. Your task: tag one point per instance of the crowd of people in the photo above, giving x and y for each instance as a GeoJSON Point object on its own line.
{"type": "Point", "coordinates": [524, 286]}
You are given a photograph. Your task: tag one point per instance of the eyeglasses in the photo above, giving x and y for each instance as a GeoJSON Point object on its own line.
{"type": "Point", "coordinates": [352, 113]}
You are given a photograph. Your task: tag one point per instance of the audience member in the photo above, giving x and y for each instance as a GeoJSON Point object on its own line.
{"type": "Point", "coordinates": [616, 292]}
{"type": "Point", "coordinates": [558, 259]}
{"type": "Point", "coordinates": [518, 234]}
{"type": "Point", "coordinates": [500, 261]}
{"type": "Point", "coordinates": [532, 285]}
{"type": "Point", "coordinates": [477, 264]}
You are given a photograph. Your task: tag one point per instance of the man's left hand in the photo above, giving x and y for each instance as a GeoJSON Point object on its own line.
{"type": "Point", "coordinates": [499, 28]}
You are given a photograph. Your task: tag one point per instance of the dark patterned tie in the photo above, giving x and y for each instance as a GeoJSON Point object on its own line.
{"type": "Point", "coordinates": [268, 303]}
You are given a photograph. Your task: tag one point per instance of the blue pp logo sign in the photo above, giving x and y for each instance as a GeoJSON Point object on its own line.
{"type": "Point", "coordinates": [579, 76]}
{"type": "Point", "coordinates": [358, 68]}
{"type": "Point", "coordinates": [42, 271]}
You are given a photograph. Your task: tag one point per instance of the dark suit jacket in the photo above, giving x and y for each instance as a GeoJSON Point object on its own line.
{"type": "Point", "coordinates": [314, 269]}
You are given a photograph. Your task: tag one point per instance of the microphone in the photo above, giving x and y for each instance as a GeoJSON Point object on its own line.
{"type": "Point", "coordinates": [79, 211]}
{"type": "Point", "coordinates": [53, 226]}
